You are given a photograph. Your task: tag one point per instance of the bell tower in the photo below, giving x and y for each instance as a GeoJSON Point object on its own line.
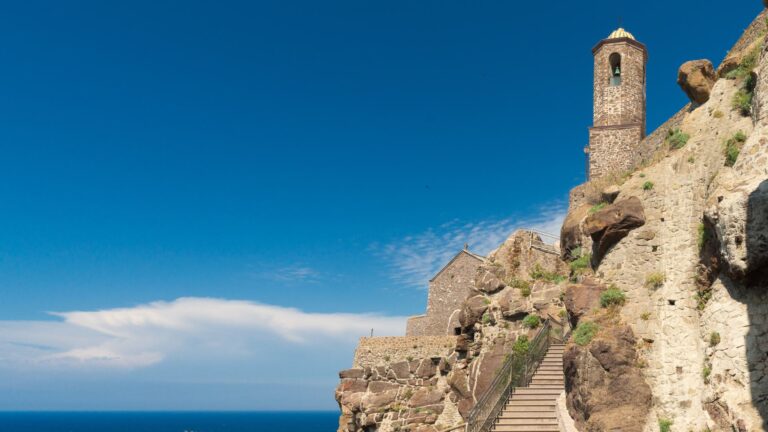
{"type": "Point", "coordinates": [619, 104]}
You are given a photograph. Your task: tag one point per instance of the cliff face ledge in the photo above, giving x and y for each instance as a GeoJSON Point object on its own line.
{"type": "Point", "coordinates": [695, 274]}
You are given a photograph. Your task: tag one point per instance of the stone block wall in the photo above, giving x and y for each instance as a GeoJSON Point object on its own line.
{"type": "Point", "coordinates": [447, 291]}
{"type": "Point", "coordinates": [625, 103]}
{"type": "Point", "coordinates": [613, 149]}
{"type": "Point", "coordinates": [378, 351]}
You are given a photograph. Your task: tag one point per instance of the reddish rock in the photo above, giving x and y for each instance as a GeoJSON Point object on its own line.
{"type": "Point", "coordinates": [582, 298]}
{"type": "Point", "coordinates": [352, 373]}
{"type": "Point", "coordinates": [611, 224]}
{"type": "Point", "coordinates": [605, 389]}
{"type": "Point", "coordinates": [353, 385]}
{"type": "Point", "coordinates": [472, 310]}
{"type": "Point", "coordinates": [426, 396]}
{"type": "Point", "coordinates": [570, 233]}
{"type": "Point", "coordinates": [427, 368]}
{"type": "Point", "coordinates": [378, 401]}
{"type": "Point", "coordinates": [696, 78]}
{"type": "Point", "coordinates": [401, 370]}
{"type": "Point", "coordinates": [381, 386]}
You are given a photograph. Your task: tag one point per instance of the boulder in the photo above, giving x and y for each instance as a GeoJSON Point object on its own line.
{"type": "Point", "coordinates": [377, 401]}
{"type": "Point", "coordinates": [570, 233]}
{"type": "Point", "coordinates": [613, 223]}
{"type": "Point", "coordinates": [352, 373]}
{"type": "Point", "coordinates": [472, 310]}
{"type": "Point", "coordinates": [426, 396]}
{"type": "Point", "coordinates": [511, 304]}
{"type": "Point", "coordinates": [606, 390]}
{"type": "Point", "coordinates": [458, 383]}
{"type": "Point", "coordinates": [582, 298]}
{"type": "Point", "coordinates": [401, 370]}
{"type": "Point", "coordinates": [696, 78]}
{"type": "Point", "coordinates": [488, 282]}
{"type": "Point", "coordinates": [426, 369]}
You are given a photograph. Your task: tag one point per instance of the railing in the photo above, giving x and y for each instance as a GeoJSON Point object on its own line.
{"type": "Point", "coordinates": [517, 371]}
{"type": "Point", "coordinates": [542, 241]}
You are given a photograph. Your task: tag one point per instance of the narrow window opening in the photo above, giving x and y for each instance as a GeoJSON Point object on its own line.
{"type": "Point", "coordinates": [457, 331]}
{"type": "Point", "coordinates": [614, 60]}
{"type": "Point", "coordinates": [671, 302]}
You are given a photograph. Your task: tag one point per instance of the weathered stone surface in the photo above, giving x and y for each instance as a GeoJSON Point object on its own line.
{"type": "Point", "coordinates": [696, 78]}
{"type": "Point", "coordinates": [582, 298]}
{"type": "Point", "coordinates": [353, 385]}
{"type": "Point", "coordinates": [570, 233]}
{"type": "Point", "coordinates": [611, 224]}
{"type": "Point", "coordinates": [605, 390]}
{"type": "Point", "coordinates": [459, 384]}
{"type": "Point", "coordinates": [402, 370]}
{"type": "Point", "coordinates": [610, 193]}
{"type": "Point", "coordinates": [490, 362]}
{"type": "Point", "coordinates": [381, 386]}
{"type": "Point", "coordinates": [472, 310]}
{"type": "Point", "coordinates": [488, 282]}
{"type": "Point", "coordinates": [427, 369]}
{"type": "Point", "coordinates": [377, 401]}
{"type": "Point", "coordinates": [426, 396]}
{"type": "Point", "coordinates": [352, 373]}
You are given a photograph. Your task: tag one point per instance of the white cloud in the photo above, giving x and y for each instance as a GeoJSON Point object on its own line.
{"type": "Point", "coordinates": [148, 334]}
{"type": "Point", "coordinates": [415, 259]}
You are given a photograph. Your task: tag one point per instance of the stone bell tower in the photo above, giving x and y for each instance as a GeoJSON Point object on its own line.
{"type": "Point", "coordinates": [619, 104]}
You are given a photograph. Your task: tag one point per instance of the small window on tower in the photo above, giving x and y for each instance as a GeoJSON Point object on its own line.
{"type": "Point", "coordinates": [615, 62]}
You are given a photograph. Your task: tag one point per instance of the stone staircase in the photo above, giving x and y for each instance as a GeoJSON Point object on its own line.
{"type": "Point", "coordinates": [532, 408]}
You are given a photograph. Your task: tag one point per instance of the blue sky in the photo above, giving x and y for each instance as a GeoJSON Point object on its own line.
{"type": "Point", "coordinates": [204, 204]}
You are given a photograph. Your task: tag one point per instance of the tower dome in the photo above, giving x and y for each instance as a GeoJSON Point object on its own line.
{"type": "Point", "coordinates": [620, 33]}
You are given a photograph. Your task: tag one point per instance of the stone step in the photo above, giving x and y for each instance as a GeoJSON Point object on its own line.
{"type": "Point", "coordinates": [526, 428]}
{"type": "Point", "coordinates": [553, 368]}
{"type": "Point", "coordinates": [533, 391]}
{"type": "Point", "coordinates": [531, 402]}
{"type": "Point", "coordinates": [526, 415]}
{"type": "Point", "coordinates": [533, 397]}
{"type": "Point", "coordinates": [527, 409]}
{"type": "Point", "coordinates": [528, 422]}
{"type": "Point", "coordinates": [560, 387]}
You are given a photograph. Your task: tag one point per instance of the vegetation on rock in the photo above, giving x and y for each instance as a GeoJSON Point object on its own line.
{"type": "Point", "coordinates": [648, 185]}
{"type": "Point", "coordinates": [538, 273]}
{"type": "Point", "coordinates": [597, 207]}
{"type": "Point", "coordinates": [677, 139]}
{"type": "Point", "coordinates": [655, 280]}
{"type": "Point", "coordinates": [532, 321]}
{"type": "Point", "coordinates": [714, 338]}
{"type": "Point", "coordinates": [665, 425]}
{"type": "Point", "coordinates": [521, 346]}
{"type": "Point", "coordinates": [733, 147]}
{"type": "Point", "coordinates": [585, 332]}
{"type": "Point", "coordinates": [612, 297]}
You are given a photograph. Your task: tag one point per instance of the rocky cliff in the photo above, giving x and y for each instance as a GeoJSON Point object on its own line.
{"type": "Point", "coordinates": [663, 274]}
{"type": "Point", "coordinates": [684, 239]}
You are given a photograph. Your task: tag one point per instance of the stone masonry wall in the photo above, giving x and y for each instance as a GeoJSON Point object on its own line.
{"type": "Point", "coordinates": [623, 104]}
{"type": "Point", "coordinates": [613, 149]}
{"type": "Point", "coordinates": [377, 351]}
{"type": "Point", "coordinates": [447, 291]}
{"type": "Point", "coordinates": [619, 111]}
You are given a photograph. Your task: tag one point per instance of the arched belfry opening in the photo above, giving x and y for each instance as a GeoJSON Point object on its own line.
{"type": "Point", "coordinates": [614, 60]}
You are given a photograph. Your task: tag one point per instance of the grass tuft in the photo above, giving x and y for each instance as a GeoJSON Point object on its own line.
{"type": "Point", "coordinates": [585, 332]}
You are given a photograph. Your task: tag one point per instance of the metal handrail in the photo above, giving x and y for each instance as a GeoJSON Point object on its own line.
{"type": "Point", "coordinates": [517, 371]}
{"type": "Point", "coordinates": [537, 241]}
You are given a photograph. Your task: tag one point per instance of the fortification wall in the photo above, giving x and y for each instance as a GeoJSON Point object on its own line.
{"type": "Point", "coordinates": [613, 149]}
{"type": "Point", "coordinates": [416, 325]}
{"type": "Point", "coordinates": [379, 351]}
{"type": "Point", "coordinates": [447, 291]}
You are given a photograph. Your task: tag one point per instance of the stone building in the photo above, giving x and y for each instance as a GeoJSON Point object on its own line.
{"type": "Point", "coordinates": [619, 104]}
{"type": "Point", "coordinates": [447, 291]}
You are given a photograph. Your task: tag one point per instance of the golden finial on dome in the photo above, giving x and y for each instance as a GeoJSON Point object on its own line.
{"type": "Point", "coordinates": [620, 33]}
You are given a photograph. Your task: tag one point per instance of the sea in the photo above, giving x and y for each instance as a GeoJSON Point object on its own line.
{"type": "Point", "coordinates": [305, 421]}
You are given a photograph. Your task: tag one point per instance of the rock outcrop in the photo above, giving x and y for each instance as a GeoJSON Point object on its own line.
{"type": "Point", "coordinates": [696, 78]}
{"type": "Point", "coordinates": [613, 223]}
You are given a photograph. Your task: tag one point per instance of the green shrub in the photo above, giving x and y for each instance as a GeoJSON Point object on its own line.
{"type": "Point", "coordinates": [747, 64]}
{"type": "Point", "coordinates": [677, 139]}
{"type": "Point", "coordinates": [612, 297]}
{"type": "Point", "coordinates": [531, 321]}
{"type": "Point", "coordinates": [581, 263]}
{"type": "Point", "coordinates": [645, 316]}
{"type": "Point", "coordinates": [521, 345]}
{"type": "Point", "coordinates": [714, 338]}
{"type": "Point", "coordinates": [742, 102]}
{"type": "Point", "coordinates": [733, 147]}
{"type": "Point", "coordinates": [702, 235]}
{"type": "Point", "coordinates": [585, 332]}
{"type": "Point", "coordinates": [665, 425]}
{"type": "Point", "coordinates": [691, 159]}
{"type": "Point", "coordinates": [563, 313]}
{"type": "Point", "coordinates": [486, 318]}
{"type": "Point", "coordinates": [648, 185]}
{"type": "Point", "coordinates": [538, 273]}
{"type": "Point", "coordinates": [655, 280]}
{"type": "Point", "coordinates": [642, 175]}
{"type": "Point", "coordinates": [717, 114]}
{"type": "Point", "coordinates": [597, 207]}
